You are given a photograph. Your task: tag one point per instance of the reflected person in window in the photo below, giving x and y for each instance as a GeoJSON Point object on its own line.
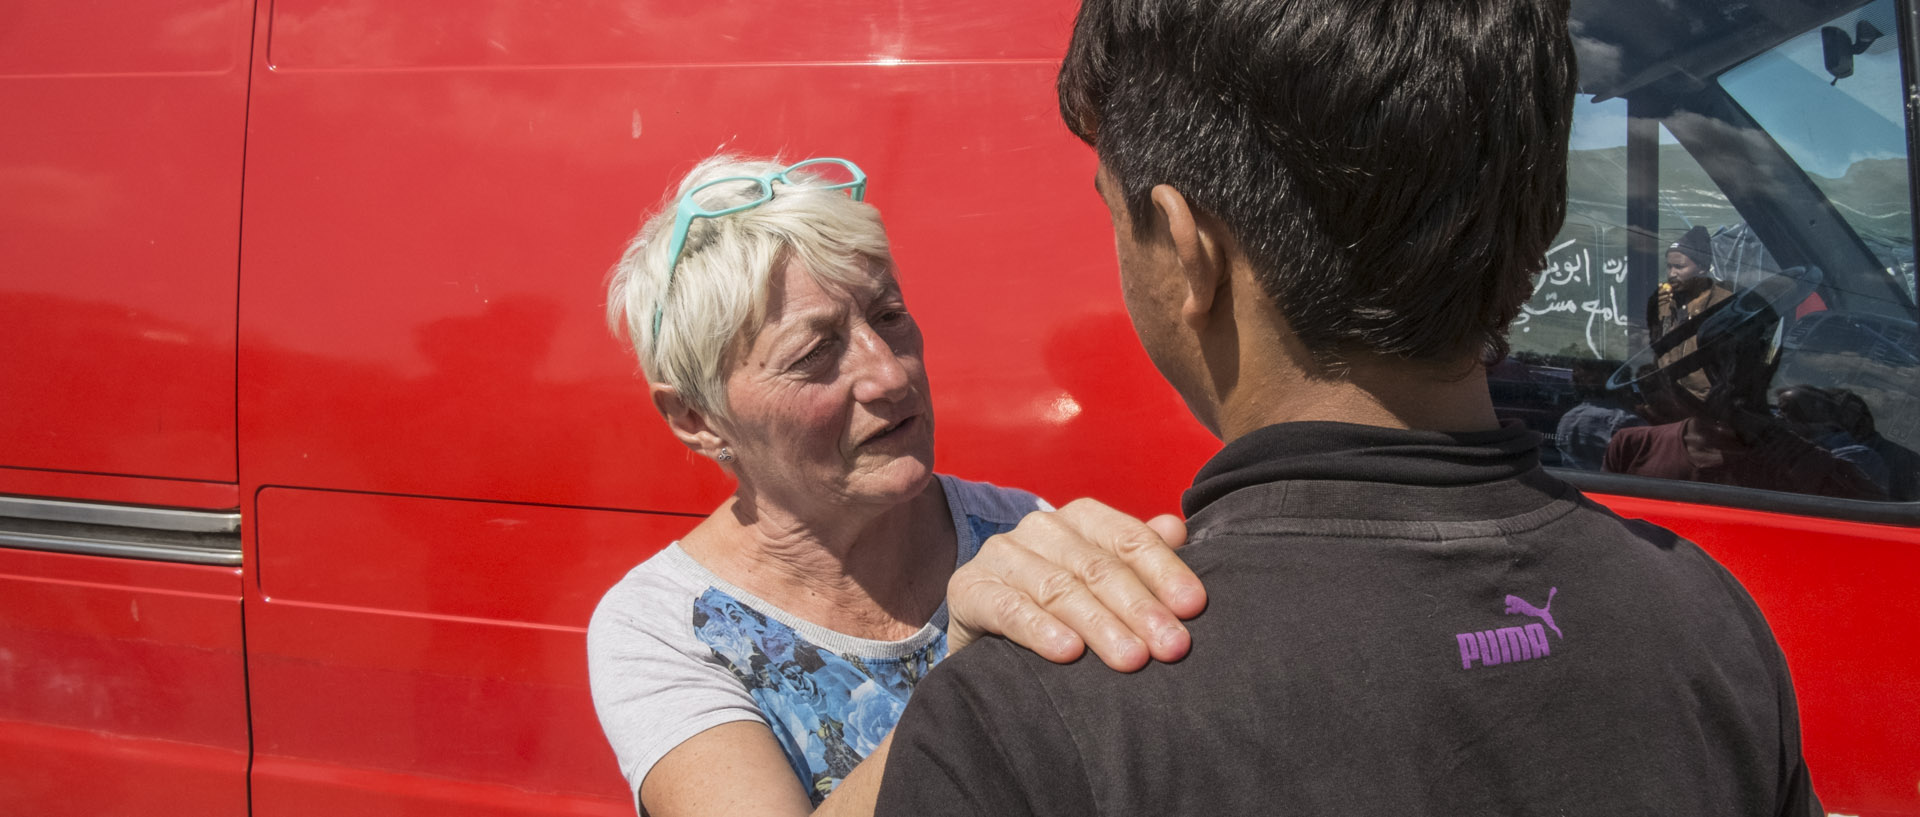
{"type": "Point", "coordinates": [1584, 431]}
{"type": "Point", "coordinates": [1841, 420]}
{"type": "Point", "coordinates": [1731, 434]}
{"type": "Point", "coordinates": [1832, 422]}
{"type": "Point", "coordinates": [1688, 291]}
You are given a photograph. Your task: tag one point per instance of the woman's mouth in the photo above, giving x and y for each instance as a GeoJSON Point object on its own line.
{"type": "Point", "coordinates": [894, 430]}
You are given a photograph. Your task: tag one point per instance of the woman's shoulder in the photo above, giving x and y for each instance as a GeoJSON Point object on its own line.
{"type": "Point", "coordinates": [655, 682]}
{"type": "Point", "coordinates": [983, 509]}
{"type": "Point", "coordinates": [662, 588]}
{"type": "Point", "coordinates": [991, 502]}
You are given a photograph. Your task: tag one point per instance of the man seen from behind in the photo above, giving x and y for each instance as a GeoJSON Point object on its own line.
{"type": "Point", "coordinates": [1327, 213]}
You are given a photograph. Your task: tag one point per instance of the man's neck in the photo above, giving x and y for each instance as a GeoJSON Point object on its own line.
{"type": "Point", "coordinates": [1389, 394]}
{"type": "Point", "coordinates": [1252, 371]}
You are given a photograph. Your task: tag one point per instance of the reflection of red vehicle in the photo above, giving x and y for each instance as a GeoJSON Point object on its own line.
{"type": "Point", "coordinates": [322, 280]}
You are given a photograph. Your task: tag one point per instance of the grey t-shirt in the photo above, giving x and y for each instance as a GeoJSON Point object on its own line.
{"type": "Point", "coordinates": [674, 650]}
{"type": "Point", "coordinates": [1398, 623]}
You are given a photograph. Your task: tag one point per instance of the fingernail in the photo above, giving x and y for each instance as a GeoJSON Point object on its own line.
{"type": "Point", "coordinates": [1169, 634]}
{"type": "Point", "coordinates": [1189, 596]}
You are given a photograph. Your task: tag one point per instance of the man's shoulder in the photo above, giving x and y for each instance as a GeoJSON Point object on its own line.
{"type": "Point", "coordinates": [982, 736]}
{"type": "Point", "coordinates": [1004, 685]}
{"type": "Point", "coordinates": [1317, 647]}
{"type": "Point", "coordinates": [998, 669]}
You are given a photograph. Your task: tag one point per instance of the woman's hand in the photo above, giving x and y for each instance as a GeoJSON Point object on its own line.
{"type": "Point", "coordinates": [1083, 576]}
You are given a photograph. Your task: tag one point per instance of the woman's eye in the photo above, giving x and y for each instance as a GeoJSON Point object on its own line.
{"type": "Point", "coordinates": [814, 355]}
{"type": "Point", "coordinates": [890, 317]}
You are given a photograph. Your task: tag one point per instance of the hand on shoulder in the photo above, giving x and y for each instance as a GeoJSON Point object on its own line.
{"type": "Point", "coordinates": [1084, 576]}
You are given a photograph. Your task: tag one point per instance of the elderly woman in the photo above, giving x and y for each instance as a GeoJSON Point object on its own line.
{"type": "Point", "coordinates": [757, 665]}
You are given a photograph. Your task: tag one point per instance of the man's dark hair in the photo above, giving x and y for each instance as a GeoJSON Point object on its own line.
{"type": "Point", "coordinates": [1393, 169]}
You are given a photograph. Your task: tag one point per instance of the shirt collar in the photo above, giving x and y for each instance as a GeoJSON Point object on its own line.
{"type": "Point", "coordinates": [1327, 452]}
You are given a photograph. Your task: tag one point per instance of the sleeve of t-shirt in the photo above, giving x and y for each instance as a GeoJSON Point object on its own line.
{"type": "Point", "coordinates": [982, 509]}
{"type": "Point", "coordinates": [654, 685]}
{"type": "Point", "coordinates": [1797, 798]}
{"type": "Point", "coordinates": [1800, 800]}
{"type": "Point", "coordinates": [1622, 452]}
{"type": "Point", "coordinates": [980, 738]}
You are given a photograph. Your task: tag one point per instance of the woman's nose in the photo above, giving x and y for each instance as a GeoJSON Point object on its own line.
{"type": "Point", "coordinates": [879, 373]}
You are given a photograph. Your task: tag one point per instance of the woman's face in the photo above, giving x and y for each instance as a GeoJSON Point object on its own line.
{"type": "Point", "coordinates": [830, 404]}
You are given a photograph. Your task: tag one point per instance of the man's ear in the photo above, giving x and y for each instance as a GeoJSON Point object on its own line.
{"type": "Point", "coordinates": [1202, 258]}
{"type": "Point", "coordinates": [688, 423]}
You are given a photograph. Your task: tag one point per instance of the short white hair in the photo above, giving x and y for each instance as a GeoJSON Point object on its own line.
{"type": "Point", "coordinates": [716, 301]}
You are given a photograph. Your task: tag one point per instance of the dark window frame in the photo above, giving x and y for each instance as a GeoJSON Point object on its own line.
{"type": "Point", "coordinates": [1906, 514]}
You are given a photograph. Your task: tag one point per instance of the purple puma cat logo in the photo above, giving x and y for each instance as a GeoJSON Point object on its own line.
{"type": "Point", "coordinates": [1506, 645]}
{"type": "Point", "coordinates": [1517, 606]}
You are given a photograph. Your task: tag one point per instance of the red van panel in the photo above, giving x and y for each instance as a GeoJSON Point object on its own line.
{"type": "Point", "coordinates": [120, 230]}
{"type": "Point", "coordinates": [322, 34]}
{"type": "Point", "coordinates": [412, 655]}
{"type": "Point", "coordinates": [121, 688]}
{"type": "Point", "coordinates": [427, 245]}
{"type": "Point", "coordinates": [173, 493]}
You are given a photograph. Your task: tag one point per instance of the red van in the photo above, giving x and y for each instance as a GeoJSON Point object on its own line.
{"type": "Point", "coordinates": [315, 453]}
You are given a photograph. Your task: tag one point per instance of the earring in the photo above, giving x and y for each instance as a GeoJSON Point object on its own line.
{"type": "Point", "coordinates": [725, 455]}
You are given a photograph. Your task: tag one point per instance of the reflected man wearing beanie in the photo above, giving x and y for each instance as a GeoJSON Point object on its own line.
{"type": "Point", "coordinates": [1689, 290]}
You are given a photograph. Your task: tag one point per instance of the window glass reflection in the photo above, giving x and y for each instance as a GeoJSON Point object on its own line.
{"type": "Point", "coordinates": [1732, 297]}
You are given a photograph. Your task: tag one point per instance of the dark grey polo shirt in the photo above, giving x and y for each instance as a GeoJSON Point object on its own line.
{"type": "Point", "coordinates": [1400, 623]}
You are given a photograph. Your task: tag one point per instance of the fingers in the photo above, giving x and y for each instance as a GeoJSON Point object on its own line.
{"type": "Point", "coordinates": [1130, 569]}
{"type": "Point", "coordinates": [1146, 548]}
{"type": "Point", "coordinates": [1011, 590]}
{"type": "Point", "coordinates": [1091, 570]}
{"type": "Point", "coordinates": [979, 602]}
{"type": "Point", "coordinates": [1171, 529]}
{"type": "Point", "coordinates": [1175, 584]}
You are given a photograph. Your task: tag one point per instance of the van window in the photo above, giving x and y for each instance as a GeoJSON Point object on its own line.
{"type": "Point", "coordinates": [1731, 299]}
{"type": "Point", "coordinates": [1847, 134]}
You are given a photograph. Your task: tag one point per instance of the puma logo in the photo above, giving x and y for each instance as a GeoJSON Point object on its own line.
{"type": "Point", "coordinates": [1517, 606]}
{"type": "Point", "coordinates": [1506, 645]}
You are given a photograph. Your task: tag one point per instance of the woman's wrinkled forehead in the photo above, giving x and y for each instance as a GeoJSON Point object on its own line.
{"type": "Point", "coordinates": [863, 275]}
{"type": "Point", "coordinates": [869, 279]}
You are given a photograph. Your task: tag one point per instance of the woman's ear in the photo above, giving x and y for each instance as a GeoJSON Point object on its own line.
{"type": "Point", "coordinates": [1197, 248]}
{"type": "Point", "coordinates": [688, 423]}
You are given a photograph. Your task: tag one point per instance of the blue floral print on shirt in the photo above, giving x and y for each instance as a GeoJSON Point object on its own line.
{"type": "Point", "coordinates": [828, 710]}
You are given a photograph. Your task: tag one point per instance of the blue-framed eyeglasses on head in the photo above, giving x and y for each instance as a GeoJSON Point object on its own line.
{"type": "Point", "coordinates": [822, 174]}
